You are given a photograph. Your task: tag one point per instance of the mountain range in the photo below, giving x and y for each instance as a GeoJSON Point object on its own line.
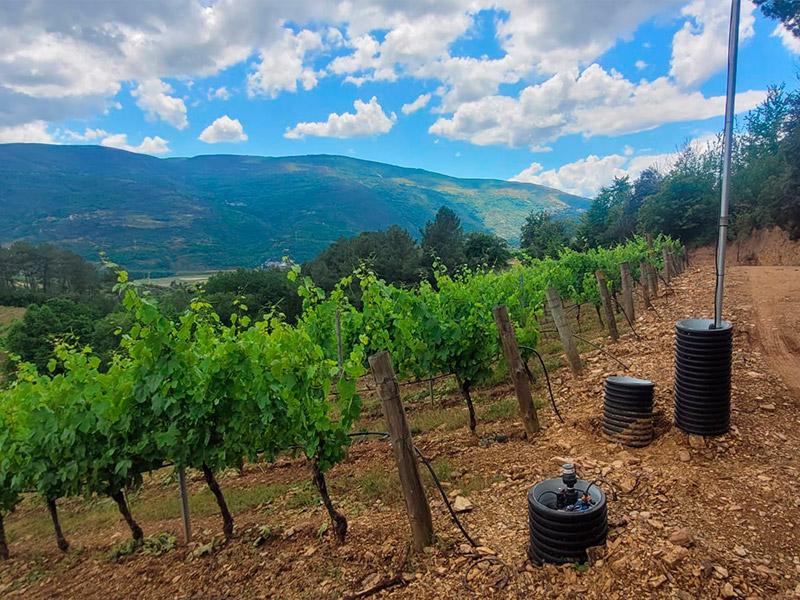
{"type": "Point", "coordinates": [167, 215]}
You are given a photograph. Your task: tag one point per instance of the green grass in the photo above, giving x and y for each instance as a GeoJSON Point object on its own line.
{"type": "Point", "coordinates": [377, 483]}
{"type": "Point", "coordinates": [451, 418]}
{"type": "Point", "coordinates": [507, 408]}
{"type": "Point", "coordinates": [102, 513]}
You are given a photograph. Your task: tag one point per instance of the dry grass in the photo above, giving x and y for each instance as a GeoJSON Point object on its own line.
{"type": "Point", "coordinates": [9, 314]}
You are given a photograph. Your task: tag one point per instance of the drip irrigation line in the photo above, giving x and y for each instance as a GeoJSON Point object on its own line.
{"type": "Point", "coordinates": [633, 329]}
{"type": "Point", "coordinates": [547, 378]}
{"type": "Point", "coordinates": [597, 480]}
{"type": "Point", "coordinates": [434, 378]}
{"type": "Point", "coordinates": [603, 350]}
{"type": "Point", "coordinates": [664, 281]}
{"type": "Point", "coordinates": [383, 435]}
{"type": "Point", "coordinates": [416, 381]}
{"type": "Point", "coordinates": [453, 516]}
{"type": "Point", "coordinates": [480, 559]}
{"type": "Point", "coordinates": [649, 302]}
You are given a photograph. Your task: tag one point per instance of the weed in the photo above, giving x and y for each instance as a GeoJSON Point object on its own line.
{"type": "Point", "coordinates": [302, 497]}
{"type": "Point", "coordinates": [379, 484]}
{"type": "Point", "coordinates": [121, 549]}
{"type": "Point", "coordinates": [451, 418]}
{"type": "Point", "coordinates": [156, 545]}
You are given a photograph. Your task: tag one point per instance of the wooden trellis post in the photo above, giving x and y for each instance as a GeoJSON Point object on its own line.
{"type": "Point", "coordinates": [564, 330]}
{"type": "Point", "coordinates": [516, 367]}
{"type": "Point", "coordinates": [667, 265]}
{"type": "Point", "coordinates": [419, 512]}
{"type": "Point", "coordinates": [605, 299]}
{"type": "Point", "coordinates": [652, 277]}
{"type": "Point", "coordinates": [627, 291]}
{"type": "Point", "coordinates": [644, 279]}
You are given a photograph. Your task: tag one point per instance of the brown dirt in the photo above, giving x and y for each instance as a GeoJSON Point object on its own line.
{"type": "Point", "coordinates": [734, 493]}
{"type": "Point", "coordinates": [765, 247]}
{"type": "Point", "coordinates": [776, 298]}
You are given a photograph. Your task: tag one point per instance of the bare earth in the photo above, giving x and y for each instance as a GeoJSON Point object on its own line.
{"type": "Point", "coordinates": [737, 494]}
{"type": "Point", "coordinates": [776, 298]}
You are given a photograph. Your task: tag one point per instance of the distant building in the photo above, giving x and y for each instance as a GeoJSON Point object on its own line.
{"type": "Point", "coordinates": [286, 263]}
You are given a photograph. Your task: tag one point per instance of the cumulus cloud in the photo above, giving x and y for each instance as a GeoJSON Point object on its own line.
{"type": "Point", "coordinates": [149, 145]}
{"type": "Point", "coordinates": [152, 96]}
{"type": "Point", "coordinates": [221, 93]}
{"type": "Point", "coordinates": [61, 60]}
{"type": "Point", "coordinates": [223, 129]}
{"type": "Point", "coordinates": [369, 119]}
{"type": "Point", "coordinates": [594, 102]}
{"type": "Point", "coordinates": [789, 40]}
{"type": "Point", "coordinates": [585, 177]}
{"type": "Point", "coordinates": [641, 65]}
{"type": "Point", "coordinates": [34, 132]}
{"type": "Point", "coordinates": [420, 102]}
{"type": "Point", "coordinates": [700, 47]}
{"type": "Point", "coordinates": [282, 65]}
{"type": "Point", "coordinates": [87, 135]}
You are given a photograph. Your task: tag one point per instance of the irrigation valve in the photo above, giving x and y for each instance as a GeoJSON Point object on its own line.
{"type": "Point", "coordinates": [568, 498]}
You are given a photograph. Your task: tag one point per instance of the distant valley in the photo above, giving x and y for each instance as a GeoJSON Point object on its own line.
{"type": "Point", "coordinates": [163, 216]}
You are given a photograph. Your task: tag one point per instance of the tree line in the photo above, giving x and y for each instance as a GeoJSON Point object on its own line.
{"type": "Point", "coordinates": [683, 200]}
{"type": "Point", "coordinates": [29, 273]}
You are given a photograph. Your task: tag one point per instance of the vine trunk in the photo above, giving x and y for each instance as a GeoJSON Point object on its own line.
{"type": "Point", "coordinates": [227, 519]}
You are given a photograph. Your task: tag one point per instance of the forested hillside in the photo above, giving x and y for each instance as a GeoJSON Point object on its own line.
{"type": "Point", "coordinates": [160, 216]}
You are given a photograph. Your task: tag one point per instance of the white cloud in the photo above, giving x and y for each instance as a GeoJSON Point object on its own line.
{"type": "Point", "coordinates": [87, 135]}
{"type": "Point", "coordinates": [364, 47]}
{"type": "Point", "coordinates": [369, 119]}
{"type": "Point", "coordinates": [149, 145]}
{"type": "Point", "coordinates": [61, 60]}
{"type": "Point", "coordinates": [790, 41]}
{"type": "Point", "coordinates": [641, 65]}
{"type": "Point", "coordinates": [420, 102]}
{"type": "Point", "coordinates": [586, 176]}
{"type": "Point", "coordinates": [582, 177]}
{"type": "Point", "coordinates": [700, 47]}
{"type": "Point", "coordinates": [221, 93]}
{"type": "Point", "coordinates": [223, 129]}
{"type": "Point", "coordinates": [34, 132]}
{"type": "Point", "coordinates": [152, 96]}
{"type": "Point", "coordinates": [282, 65]}
{"type": "Point", "coordinates": [594, 102]}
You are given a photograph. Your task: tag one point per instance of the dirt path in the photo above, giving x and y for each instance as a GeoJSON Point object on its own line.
{"type": "Point", "coordinates": [775, 296]}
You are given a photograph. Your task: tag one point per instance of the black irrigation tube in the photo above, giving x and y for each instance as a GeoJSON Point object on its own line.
{"type": "Point", "coordinates": [383, 435]}
{"type": "Point", "coordinates": [649, 302]}
{"type": "Point", "coordinates": [547, 378]}
{"type": "Point", "coordinates": [633, 329]}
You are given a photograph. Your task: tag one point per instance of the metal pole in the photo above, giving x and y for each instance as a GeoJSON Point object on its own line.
{"type": "Point", "coordinates": [184, 498]}
{"type": "Point", "coordinates": [733, 50]}
{"type": "Point", "coordinates": [339, 352]}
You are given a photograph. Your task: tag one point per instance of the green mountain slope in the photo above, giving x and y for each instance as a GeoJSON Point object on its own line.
{"type": "Point", "coordinates": [212, 212]}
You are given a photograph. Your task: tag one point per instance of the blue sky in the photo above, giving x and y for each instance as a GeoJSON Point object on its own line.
{"type": "Point", "coordinates": [565, 94]}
